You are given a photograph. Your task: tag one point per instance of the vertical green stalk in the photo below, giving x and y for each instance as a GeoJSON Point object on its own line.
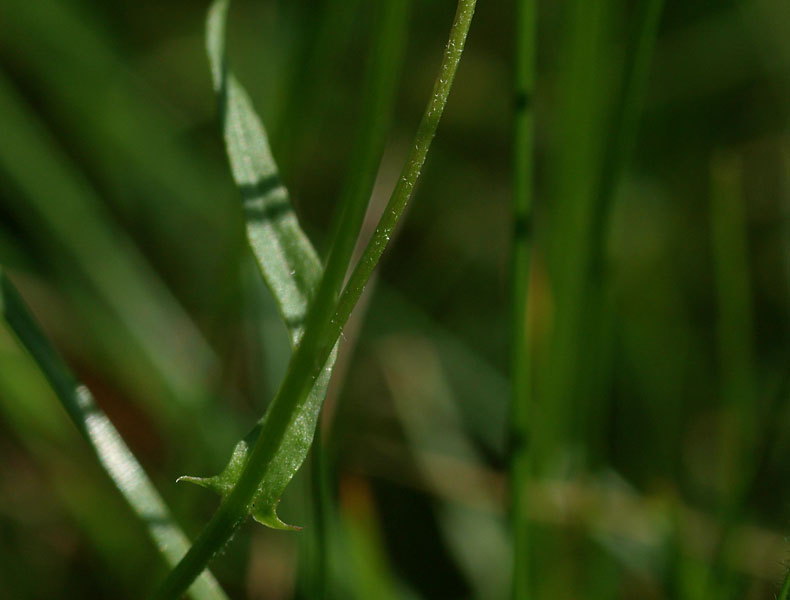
{"type": "Point", "coordinates": [520, 404]}
{"type": "Point", "coordinates": [597, 133]}
{"type": "Point", "coordinates": [380, 87]}
{"type": "Point", "coordinates": [411, 170]}
{"type": "Point", "coordinates": [739, 431]}
{"type": "Point", "coordinates": [623, 128]}
{"type": "Point", "coordinates": [625, 122]}
{"type": "Point", "coordinates": [321, 333]}
{"type": "Point", "coordinates": [312, 76]}
{"type": "Point", "coordinates": [734, 307]}
{"type": "Point", "coordinates": [580, 131]}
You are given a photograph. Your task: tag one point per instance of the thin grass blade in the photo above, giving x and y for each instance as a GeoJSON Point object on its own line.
{"type": "Point", "coordinates": [288, 262]}
{"type": "Point", "coordinates": [113, 454]}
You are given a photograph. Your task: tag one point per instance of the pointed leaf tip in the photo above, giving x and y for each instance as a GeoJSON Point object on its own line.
{"type": "Point", "coordinates": [210, 483]}
{"type": "Point", "coordinates": [268, 516]}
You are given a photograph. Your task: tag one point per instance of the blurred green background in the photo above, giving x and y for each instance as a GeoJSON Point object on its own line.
{"type": "Point", "coordinates": [660, 317]}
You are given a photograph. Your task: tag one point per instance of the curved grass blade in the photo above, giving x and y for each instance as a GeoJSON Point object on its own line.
{"type": "Point", "coordinates": [288, 262]}
{"type": "Point", "coordinates": [114, 455]}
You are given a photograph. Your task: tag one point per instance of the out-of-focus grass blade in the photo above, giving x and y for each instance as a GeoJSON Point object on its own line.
{"type": "Point", "coordinates": [302, 109]}
{"type": "Point", "coordinates": [425, 405]}
{"type": "Point", "coordinates": [116, 122]}
{"type": "Point", "coordinates": [740, 444]}
{"type": "Point", "coordinates": [581, 113]}
{"type": "Point", "coordinates": [73, 487]}
{"type": "Point", "coordinates": [288, 262]}
{"type": "Point", "coordinates": [370, 575]}
{"type": "Point", "coordinates": [84, 241]}
{"type": "Point", "coordinates": [114, 455]}
{"type": "Point", "coordinates": [730, 250]}
{"type": "Point", "coordinates": [480, 390]}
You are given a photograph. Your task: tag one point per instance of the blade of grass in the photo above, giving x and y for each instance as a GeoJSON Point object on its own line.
{"type": "Point", "coordinates": [623, 127]}
{"type": "Point", "coordinates": [91, 254]}
{"type": "Point", "coordinates": [739, 439]}
{"type": "Point", "coordinates": [580, 143]}
{"type": "Point", "coordinates": [429, 414]}
{"type": "Point", "coordinates": [730, 252]}
{"type": "Point", "coordinates": [114, 455]}
{"type": "Point", "coordinates": [372, 574]}
{"type": "Point", "coordinates": [598, 141]}
{"type": "Point", "coordinates": [521, 363]}
{"type": "Point", "coordinates": [625, 122]}
{"type": "Point", "coordinates": [138, 131]}
{"type": "Point", "coordinates": [319, 339]}
{"type": "Point", "coordinates": [381, 80]}
{"type": "Point", "coordinates": [383, 72]}
{"type": "Point", "coordinates": [288, 262]}
{"type": "Point", "coordinates": [785, 593]}
{"type": "Point", "coordinates": [411, 171]}
{"type": "Point", "coordinates": [313, 74]}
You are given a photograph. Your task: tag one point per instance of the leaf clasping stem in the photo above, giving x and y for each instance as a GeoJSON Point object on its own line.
{"type": "Point", "coordinates": [320, 337]}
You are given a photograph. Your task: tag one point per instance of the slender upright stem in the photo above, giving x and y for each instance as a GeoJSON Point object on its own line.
{"type": "Point", "coordinates": [523, 133]}
{"type": "Point", "coordinates": [411, 170]}
{"type": "Point", "coordinates": [625, 123]}
{"type": "Point", "coordinates": [383, 72]}
{"type": "Point", "coordinates": [739, 450]}
{"type": "Point", "coordinates": [320, 337]}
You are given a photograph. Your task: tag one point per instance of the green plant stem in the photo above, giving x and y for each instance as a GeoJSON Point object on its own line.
{"type": "Point", "coordinates": [739, 441]}
{"type": "Point", "coordinates": [625, 123]}
{"type": "Point", "coordinates": [411, 170]}
{"type": "Point", "coordinates": [520, 403]}
{"type": "Point", "coordinates": [114, 455]}
{"type": "Point", "coordinates": [383, 70]}
{"type": "Point", "coordinates": [623, 128]}
{"type": "Point", "coordinates": [379, 98]}
{"type": "Point", "coordinates": [319, 338]}
{"type": "Point", "coordinates": [785, 593]}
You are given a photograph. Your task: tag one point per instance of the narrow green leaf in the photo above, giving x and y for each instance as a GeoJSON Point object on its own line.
{"type": "Point", "coordinates": [288, 262]}
{"type": "Point", "coordinates": [113, 454]}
